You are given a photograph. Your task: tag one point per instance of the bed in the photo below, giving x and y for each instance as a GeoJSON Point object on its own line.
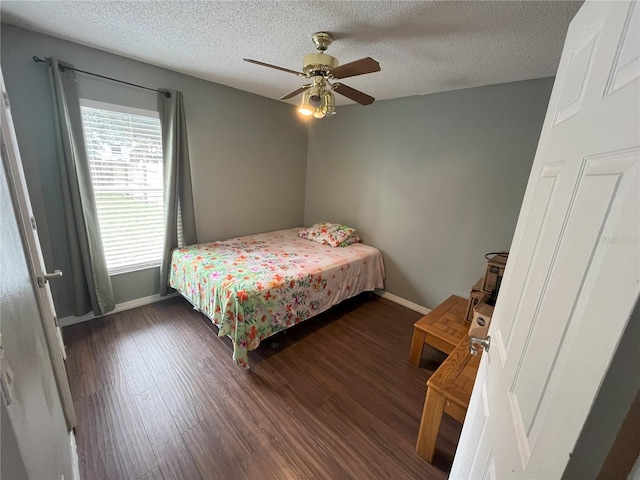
{"type": "Point", "coordinates": [255, 286]}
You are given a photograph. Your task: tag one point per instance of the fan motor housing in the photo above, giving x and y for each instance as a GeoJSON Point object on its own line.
{"type": "Point", "coordinates": [318, 63]}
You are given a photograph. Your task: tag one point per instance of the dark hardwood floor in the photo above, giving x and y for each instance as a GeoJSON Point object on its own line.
{"type": "Point", "coordinates": [158, 397]}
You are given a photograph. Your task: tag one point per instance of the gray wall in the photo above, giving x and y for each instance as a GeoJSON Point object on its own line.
{"type": "Point", "coordinates": [37, 428]}
{"type": "Point", "coordinates": [611, 405]}
{"type": "Point", "coordinates": [433, 181]}
{"type": "Point", "coordinates": [248, 153]}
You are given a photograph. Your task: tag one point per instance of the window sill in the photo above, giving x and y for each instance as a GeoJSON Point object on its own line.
{"type": "Point", "coordinates": [133, 268]}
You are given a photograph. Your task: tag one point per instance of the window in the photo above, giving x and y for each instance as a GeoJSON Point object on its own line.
{"type": "Point", "coordinates": [124, 146]}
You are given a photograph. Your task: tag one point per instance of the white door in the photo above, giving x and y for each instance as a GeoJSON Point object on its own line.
{"type": "Point", "coordinates": [18, 186]}
{"type": "Point", "coordinates": [573, 275]}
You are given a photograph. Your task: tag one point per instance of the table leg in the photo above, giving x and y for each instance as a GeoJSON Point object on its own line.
{"type": "Point", "coordinates": [417, 342]}
{"type": "Point", "coordinates": [430, 424]}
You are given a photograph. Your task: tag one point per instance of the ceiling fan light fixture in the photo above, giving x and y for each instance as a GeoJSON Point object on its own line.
{"type": "Point", "coordinates": [305, 107]}
{"type": "Point", "coordinates": [315, 100]}
{"type": "Point", "coordinates": [328, 103]}
{"type": "Point", "coordinates": [316, 92]}
{"type": "Point", "coordinates": [322, 69]}
{"type": "Point", "coordinates": [305, 110]}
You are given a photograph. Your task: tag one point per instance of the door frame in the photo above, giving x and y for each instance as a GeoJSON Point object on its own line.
{"type": "Point", "coordinates": [37, 270]}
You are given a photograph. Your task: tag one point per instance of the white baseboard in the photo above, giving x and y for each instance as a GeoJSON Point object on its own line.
{"type": "Point", "coordinates": [139, 302]}
{"type": "Point", "coordinates": [121, 307]}
{"type": "Point", "coordinates": [402, 301]}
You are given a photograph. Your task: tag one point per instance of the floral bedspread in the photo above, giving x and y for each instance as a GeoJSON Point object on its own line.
{"type": "Point", "coordinates": [255, 286]}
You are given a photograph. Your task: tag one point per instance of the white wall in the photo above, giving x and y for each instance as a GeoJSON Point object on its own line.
{"type": "Point", "coordinates": [433, 181]}
{"type": "Point", "coordinates": [248, 153]}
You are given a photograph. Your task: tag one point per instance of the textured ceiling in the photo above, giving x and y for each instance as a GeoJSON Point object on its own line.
{"type": "Point", "coordinates": [422, 47]}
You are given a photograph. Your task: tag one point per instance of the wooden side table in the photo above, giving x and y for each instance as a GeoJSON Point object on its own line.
{"type": "Point", "coordinates": [442, 328]}
{"type": "Point", "coordinates": [448, 391]}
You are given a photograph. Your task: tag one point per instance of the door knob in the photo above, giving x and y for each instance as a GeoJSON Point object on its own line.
{"type": "Point", "coordinates": [48, 276]}
{"type": "Point", "coordinates": [55, 274]}
{"type": "Point", "coordinates": [474, 342]}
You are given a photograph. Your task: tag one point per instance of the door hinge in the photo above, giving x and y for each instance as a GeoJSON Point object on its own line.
{"type": "Point", "coordinates": [5, 99]}
{"type": "Point", "coordinates": [33, 223]}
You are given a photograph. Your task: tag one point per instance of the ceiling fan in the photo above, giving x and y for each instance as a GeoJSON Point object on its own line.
{"type": "Point", "coordinates": [318, 99]}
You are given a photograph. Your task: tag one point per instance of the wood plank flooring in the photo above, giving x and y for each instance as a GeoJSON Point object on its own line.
{"type": "Point", "coordinates": [158, 397]}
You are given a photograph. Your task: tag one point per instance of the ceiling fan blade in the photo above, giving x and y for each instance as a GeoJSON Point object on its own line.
{"type": "Point", "coordinates": [353, 94]}
{"type": "Point", "coordinates": [296, 92]}
{"type": "Point", "coordinates": [357, 67]}
{"type": "Point", "coordinates": [282, 69]}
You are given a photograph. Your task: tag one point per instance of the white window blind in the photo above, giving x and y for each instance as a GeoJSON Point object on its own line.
{"type": "Point", "coordinates": [124, 146]}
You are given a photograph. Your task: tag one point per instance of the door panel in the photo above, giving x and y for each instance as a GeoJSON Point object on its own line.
{"type": "Point", "coordinates": [595, 207]}
{"type": "Point", "coordinates": [535, 228]}
{"type": "Point", "coordinates": [578, 70]}
{"type": "Point", "coordinates": [626, 66]}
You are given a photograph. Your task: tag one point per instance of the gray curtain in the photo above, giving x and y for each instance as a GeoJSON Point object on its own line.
{"type": "Point", "coordinates": [91, 282]}
{"type": "Point", "coordinates": [178, 193]}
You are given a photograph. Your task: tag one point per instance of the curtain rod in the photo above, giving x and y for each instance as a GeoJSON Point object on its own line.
{"type": "Point", "coordinates": [62, 67]}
